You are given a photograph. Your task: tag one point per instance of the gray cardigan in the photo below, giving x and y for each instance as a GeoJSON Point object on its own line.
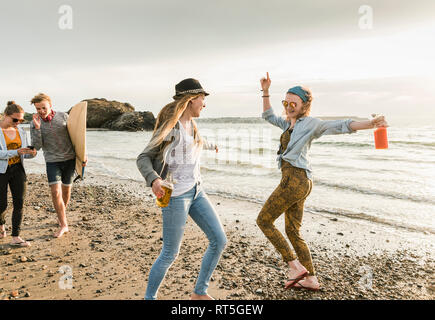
{"type": "Point", "coordinates": [151, 161]}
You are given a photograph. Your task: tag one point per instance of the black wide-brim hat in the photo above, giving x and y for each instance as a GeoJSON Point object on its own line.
{"type": "Point", "coordinates": [188, 86]}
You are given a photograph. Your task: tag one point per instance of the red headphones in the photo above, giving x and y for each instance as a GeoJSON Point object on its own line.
{"type": "Point", "coordinates": [49, 117]}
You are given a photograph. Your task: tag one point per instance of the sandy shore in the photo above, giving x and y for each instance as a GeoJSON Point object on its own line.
{"type": "Point", "coordinates": [116, 236]}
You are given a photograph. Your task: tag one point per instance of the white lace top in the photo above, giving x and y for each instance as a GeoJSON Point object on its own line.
{"type": "Point", "coordinates": [184, 163]}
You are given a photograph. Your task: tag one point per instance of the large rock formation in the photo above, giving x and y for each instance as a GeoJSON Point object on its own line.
{"type": "Point", "coordinates": [118, 116]}
{"type": "Point", "coordinates": [132, 121]}
{"type": "Point", "coordinates": [100, 111]}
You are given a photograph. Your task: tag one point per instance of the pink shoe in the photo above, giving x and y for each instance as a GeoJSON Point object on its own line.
{"type": "Point", "coordinates": [292, 282]}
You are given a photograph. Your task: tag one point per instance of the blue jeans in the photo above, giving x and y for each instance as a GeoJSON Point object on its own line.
{"type": "Point", "coordinates": [195, 203]}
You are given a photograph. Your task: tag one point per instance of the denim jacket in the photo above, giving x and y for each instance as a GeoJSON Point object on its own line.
{"type": "Point", "coordinates": [306, 129]}
{"type": "Point", "coordinates": [151, 162]}
{"type": "Point", "coordinates": [5, 154]}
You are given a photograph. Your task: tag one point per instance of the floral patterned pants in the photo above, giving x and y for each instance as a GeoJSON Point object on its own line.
{"type": "Point", "coordinates": [289, 198]}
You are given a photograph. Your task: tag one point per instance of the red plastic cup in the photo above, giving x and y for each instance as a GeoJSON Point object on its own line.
{"type": "Point", "coordinates": [381, 139]}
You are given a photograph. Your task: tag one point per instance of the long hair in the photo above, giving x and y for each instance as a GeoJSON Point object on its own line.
{"type": "Point", "coordinates": [168, 118]}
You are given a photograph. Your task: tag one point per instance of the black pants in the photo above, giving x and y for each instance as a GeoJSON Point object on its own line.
{"type": "Point", "coordinates": [15, 177]}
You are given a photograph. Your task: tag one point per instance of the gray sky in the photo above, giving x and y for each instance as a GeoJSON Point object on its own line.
{"type": "Point", "coordinates": [135, 51]}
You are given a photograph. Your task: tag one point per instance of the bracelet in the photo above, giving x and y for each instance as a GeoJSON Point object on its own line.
{"type": "Point", "coordinates": [265, 96]}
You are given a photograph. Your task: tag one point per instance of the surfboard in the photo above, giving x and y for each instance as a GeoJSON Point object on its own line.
{"type": "Point", "coordinates": [76, 125]}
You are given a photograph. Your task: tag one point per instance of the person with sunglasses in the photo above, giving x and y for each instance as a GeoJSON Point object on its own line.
{"type": "Point", "coordinates": [299, 130]}
{"type": "Point", "coordinates": [13, 150]}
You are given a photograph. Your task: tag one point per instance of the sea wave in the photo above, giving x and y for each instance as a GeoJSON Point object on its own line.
{"type": "Point", "coordinates": [372, 191]}
{"type": "Point", "coordinates": [348, 214]}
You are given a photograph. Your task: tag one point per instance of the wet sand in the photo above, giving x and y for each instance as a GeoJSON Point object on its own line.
{"type": "Point", "coordinates": [115, 236]}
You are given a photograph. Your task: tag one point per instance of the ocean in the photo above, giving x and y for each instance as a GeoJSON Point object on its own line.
{"type": "Point", "coordinates": [395, 186]}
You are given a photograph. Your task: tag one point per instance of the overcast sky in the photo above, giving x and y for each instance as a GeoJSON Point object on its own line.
{"type": "Point", "coordinates": [135, 51]}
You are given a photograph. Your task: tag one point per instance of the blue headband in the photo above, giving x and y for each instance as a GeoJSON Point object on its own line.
{"type": "Point", "coordinates": [299, 92]}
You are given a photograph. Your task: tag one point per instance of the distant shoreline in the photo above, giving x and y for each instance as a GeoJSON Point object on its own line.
{"type": "Point", "coordinates": [259, 119]}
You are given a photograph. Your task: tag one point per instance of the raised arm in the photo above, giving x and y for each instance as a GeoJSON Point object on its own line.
{"type": "Point", "coordinates": [35, 132]}
{"type": "Point", "coordinates": [268, 113]}
{"type": "Point", "coordinates": [265, 85]}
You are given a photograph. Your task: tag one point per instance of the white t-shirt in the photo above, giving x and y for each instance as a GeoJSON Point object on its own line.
{"type": "Point", "coordinates": [184, 162]}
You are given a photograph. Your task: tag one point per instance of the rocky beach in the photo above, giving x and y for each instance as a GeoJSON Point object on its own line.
{"type": "Point", "coordinates": [115, 236]}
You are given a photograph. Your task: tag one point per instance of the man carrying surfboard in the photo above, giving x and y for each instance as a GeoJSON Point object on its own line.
{"type": "Point", "coordinates": [49, 131]}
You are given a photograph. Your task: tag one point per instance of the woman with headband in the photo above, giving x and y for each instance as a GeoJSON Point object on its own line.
{"type": "Point", "coordinates": [299, 130]}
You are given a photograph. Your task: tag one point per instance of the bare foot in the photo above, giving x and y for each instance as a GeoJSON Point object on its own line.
{"type": "Point", "coordinates": [59, 233]}
{"type": "Point", "coordinates": [195, 296]}
{"type": "Point", "coordinates": [309, 283]}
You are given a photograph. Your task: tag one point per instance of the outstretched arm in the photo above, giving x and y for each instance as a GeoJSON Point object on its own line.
{"type": "Point", "coordinates": [376, 122]}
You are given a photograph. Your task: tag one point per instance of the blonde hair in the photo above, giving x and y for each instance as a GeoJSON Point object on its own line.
{"type": "Point", "coordinates": [40, 97]}
{"type": "Point", "coordinates": [168, 118]}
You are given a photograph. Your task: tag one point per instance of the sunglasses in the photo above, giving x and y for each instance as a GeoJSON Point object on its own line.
{"type": "Point", "coordinates": [291, 104]}
{"type": "Point", "coordinates": [17, 120]}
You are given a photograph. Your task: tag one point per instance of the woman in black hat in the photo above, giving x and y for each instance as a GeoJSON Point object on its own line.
{"type": "Point", "coordinates": [174, 150]}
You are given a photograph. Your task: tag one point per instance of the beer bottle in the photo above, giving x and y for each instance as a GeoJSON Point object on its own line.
{"type": "Point", "coordinates": [167, 186]}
